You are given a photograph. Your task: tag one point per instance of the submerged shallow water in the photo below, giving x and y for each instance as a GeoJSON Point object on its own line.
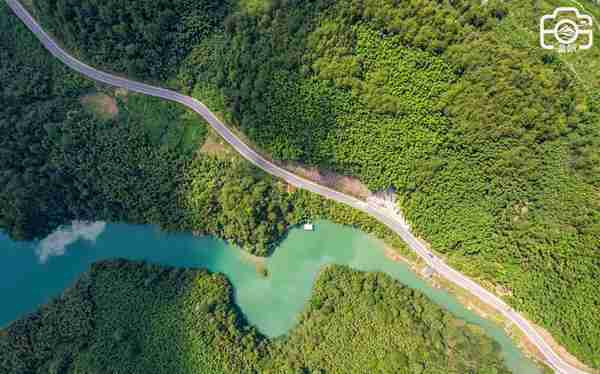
{"type": "Point", "coordinates": [32, 273]}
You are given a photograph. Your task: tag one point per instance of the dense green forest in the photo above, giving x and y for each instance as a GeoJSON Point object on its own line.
{"type": "Point", "coordinates": [368, 322]}
{"type": "Point", "coordinates": [61, 160]}
{"type": "Point", "coordinates": [492, 143]}
{"type": "Point", "coordinates": [129, 317]}
{"type": "Point", "coordinates": [146, 38]}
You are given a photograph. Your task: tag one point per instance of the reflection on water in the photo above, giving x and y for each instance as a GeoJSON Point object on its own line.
{"type": "Point", "coordinates": [56, 243]}
{"type": "Point", "coordinates": [271, 302]}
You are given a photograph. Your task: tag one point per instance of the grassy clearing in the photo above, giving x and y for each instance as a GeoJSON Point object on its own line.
{"type": "Point", "coordinates": [215, 146]}
{"type": "Point", "coordinates": [166, 124]}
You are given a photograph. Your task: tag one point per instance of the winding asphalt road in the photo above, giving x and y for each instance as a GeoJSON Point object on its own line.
{"type": "Point", "coordinates": [394, 222]}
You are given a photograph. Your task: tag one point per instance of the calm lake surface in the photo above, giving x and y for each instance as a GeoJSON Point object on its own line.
{"type": "Point", "coordinates": [32, 273]}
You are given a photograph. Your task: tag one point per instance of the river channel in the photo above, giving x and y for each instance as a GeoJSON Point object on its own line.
{"type": "Point", "coordinates": [32, 273]}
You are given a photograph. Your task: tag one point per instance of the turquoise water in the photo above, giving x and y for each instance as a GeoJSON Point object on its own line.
{"type": "Point", "coordinates": [29, 278]}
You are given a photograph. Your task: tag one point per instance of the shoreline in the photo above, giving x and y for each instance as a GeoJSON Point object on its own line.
{"type": "Point", "coordinates": [484, 312]}
{"type": "Point", "coordinates": [488, 313]}
{"type": "Point", "coordinates": [471, 303]}
{"type": "Point", "coordinates": [226, 133]}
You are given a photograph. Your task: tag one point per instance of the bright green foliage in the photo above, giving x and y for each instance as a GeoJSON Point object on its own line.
{"type": "Point", "coordinates": [492, 143]}
{"type": "Point", "coordinates": [140, 167]}
{"type": "Point", "coordinates": [234, 201]}
{"type": "Point", "coordinates": [164, 320]}
{"type": "Point", "coordinates": [128, 317]}
{"type": "Point", "coordinates": [165, 125]}
{"type": "Point", "coordinates": [368, 322]}
{"type": "Point", "coordinates": [59, 162]}
{"type": "Point", "coordinates": [62, 163]}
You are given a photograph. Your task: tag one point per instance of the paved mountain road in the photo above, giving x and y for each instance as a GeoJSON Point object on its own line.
{"type": "Point", "coordinates": [392, 221]}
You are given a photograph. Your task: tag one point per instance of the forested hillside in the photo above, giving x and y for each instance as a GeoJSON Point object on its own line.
{"type": "Point", "coordinates": [368, 322]}
{"type": "Point", "coordinates": [145, 38]}
{"type": "Point", "coordinates": [130, 317]}
{"type": "Point", "coordinates": [60, 160]}
{"type": "Point", "coordinates": [492, 143]}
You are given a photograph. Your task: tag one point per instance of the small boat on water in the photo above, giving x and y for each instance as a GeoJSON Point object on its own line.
{"type": "Point", "coordinates": [308, 227]}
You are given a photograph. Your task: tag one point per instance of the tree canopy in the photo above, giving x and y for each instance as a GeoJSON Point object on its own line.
{"type": "Point", "coordinates": [137, 318]}
{"type": "Point", "coordinates": [492, 144]}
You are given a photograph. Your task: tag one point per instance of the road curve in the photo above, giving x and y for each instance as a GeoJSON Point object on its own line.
{"type": "Point", "coordinates": [392, 221]}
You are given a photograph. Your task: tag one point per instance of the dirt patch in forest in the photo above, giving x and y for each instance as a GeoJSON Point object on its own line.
{"type": "Point", "coordinates": [214, 145]}
{"type": "Point", "coordinates": [349, 185]}
{"type": "Point", "coordinates": [290, 188]}
{"type": "Point", "coordinates": [101, 104]}
{"type": "Point", "coordinates": [213, 149]}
